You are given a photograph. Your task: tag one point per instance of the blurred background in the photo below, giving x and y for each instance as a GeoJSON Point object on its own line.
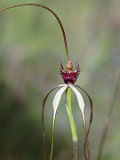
{"type": "Point", "coordinates": [31, 49]}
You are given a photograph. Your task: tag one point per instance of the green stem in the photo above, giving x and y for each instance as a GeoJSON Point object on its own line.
{"type": "Point", "coordinates": [72, 124]}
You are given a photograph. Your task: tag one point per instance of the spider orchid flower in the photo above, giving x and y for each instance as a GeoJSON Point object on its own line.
{"type": "Point", "coordinates": [69, 75]}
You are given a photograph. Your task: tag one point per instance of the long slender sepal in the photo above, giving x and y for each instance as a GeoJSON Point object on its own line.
{"type": "Point", "coordinates": [57, 99]}
{"type": "Point", "coordinates": [51, 11]}
{"type": "Point", "coordinates": [43, 126]}
{"type": "Point", "coordinates": [91, 115]}
{"type": "Point", "coordinates": [81, 106]}
{"type": "Point", "coordinates": [56, 102]}
{"type": "Point", "coordinates": [86, 138]}
{"type": "Point", "coordinates": [53, 126]}
{"type": "Point", "coordinates": [79, 98]}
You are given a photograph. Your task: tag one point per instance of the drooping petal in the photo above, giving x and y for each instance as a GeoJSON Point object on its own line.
{"type": "Point", "coordinates": [79, 98]}
{"type": "Point", "coordinates": [81, 106]}
{"type": "Point", "coordinates": [91, 106]}
{"type": "Point", "coordinates": [57, 98]}
{"type": "Point", "coordinates": [42, 115]}
{"type": "Point", "coordinates": [91, 115]}
{"type": "Point", "coordinates": [56, 102]}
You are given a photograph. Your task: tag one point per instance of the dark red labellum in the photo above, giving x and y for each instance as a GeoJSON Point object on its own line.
{"type": "Point", "coordinates": [70, 74]}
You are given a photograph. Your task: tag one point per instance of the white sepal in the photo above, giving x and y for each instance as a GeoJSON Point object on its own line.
{"type": "Point", "coordinates": [79, 98]}
{"type": "Point", "coordinates": [62, 85]}
{"type": "Point", "coordinates": [57, 98]}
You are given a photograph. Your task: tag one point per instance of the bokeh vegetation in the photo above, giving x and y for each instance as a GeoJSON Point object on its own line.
{"type": "Point", "coordinates": [31, 48]}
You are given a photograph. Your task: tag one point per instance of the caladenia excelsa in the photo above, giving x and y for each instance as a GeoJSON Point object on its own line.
{"type": "Point", "coordinates": [69, 75]}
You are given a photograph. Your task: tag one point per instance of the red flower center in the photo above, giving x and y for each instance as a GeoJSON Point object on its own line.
{"type": "Point", "coordinates": [70, 74]}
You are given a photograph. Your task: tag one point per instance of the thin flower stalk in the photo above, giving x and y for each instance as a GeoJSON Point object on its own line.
{"type": "Point", "coordinates": [72, 123]}
{"type": "Point", "coordinates": [51, 11]}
